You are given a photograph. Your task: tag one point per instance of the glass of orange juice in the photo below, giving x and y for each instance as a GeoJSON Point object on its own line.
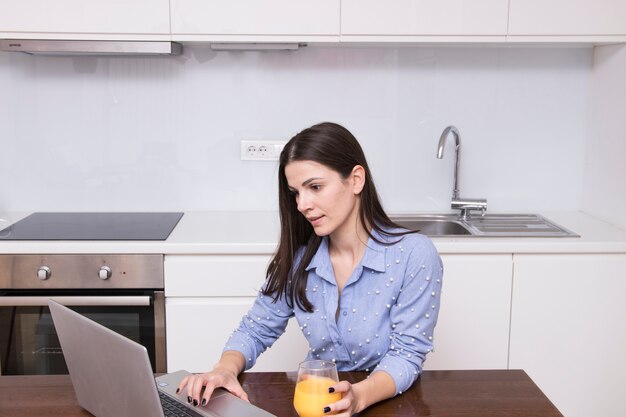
{"type": "Point", "coordinates": [311, 396]}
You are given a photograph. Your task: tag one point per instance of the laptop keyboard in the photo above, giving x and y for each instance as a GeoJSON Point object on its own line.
{"type": "Point", "coordinates": [172, 408]}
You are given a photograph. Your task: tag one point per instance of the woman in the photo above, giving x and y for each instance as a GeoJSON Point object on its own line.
{"type": "Point", "coordinates": [364, 291]}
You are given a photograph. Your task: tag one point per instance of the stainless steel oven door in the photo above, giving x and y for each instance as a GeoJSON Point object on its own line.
{"type": "Point", "coordinates": [28, 340]}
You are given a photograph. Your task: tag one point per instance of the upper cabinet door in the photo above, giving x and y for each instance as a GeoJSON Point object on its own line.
{"type": "Point", "coordinates": [412, 20]}
{"type": "Point", "coordinates": [254, 20]}
{"type": "Point", "coordinates": [567, 18]}
{"type": "Point", "coordinates": [85, 19]}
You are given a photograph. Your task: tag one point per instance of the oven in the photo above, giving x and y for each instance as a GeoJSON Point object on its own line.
{"type": "Point", "coordinates": [121, 292]}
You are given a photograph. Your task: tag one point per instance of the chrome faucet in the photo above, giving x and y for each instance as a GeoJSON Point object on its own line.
{"type": "Point", "coordinates": [457, 152]}
{"type": "Point", "coordinates": [466, 205]}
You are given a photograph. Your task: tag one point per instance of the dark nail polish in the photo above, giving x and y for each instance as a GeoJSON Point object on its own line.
{"type": "Point", "coordinates": [204, 401]}
{"type": "Point", "coordinates": [177, 390]}
{"type": "Point", "coordinates": [331, 390]}
{"type": "Point", "coordinates": [189, 400]}
{"type": "Point", "coordinates": [195, 403]}
{"type": "Point", "coordinates": [326, 410]}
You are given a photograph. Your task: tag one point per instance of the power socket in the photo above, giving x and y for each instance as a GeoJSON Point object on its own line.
{"type": "Point", "coordinates": [261, 150]}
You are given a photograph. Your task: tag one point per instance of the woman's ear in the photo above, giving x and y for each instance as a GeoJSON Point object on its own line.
{"type": "Point", "coordinates": [358, 179]}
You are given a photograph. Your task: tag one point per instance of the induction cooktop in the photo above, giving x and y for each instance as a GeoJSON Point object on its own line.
{"type": "Point", "coordinates": [93, 226]}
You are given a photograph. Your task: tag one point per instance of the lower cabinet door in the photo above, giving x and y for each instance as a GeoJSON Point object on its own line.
{"type": "Point", "coordinates": [568, 330]}
{"type": "Point", "coordinates": [197, 330]}
{"type": "Point", "coordinates": [473, 327]}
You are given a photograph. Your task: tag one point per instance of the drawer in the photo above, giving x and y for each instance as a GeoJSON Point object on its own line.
{"type": "Point", "coordinates": [214, 275]}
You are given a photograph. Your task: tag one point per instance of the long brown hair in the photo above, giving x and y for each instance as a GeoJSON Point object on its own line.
{"type": "Point", "coordinates": [334, 146]}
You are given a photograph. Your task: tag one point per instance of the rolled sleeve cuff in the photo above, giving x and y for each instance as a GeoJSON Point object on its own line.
{"type": "Point", "coordinates": [402, 372]}
{"type": "Point", "coordinates": [244, 345]}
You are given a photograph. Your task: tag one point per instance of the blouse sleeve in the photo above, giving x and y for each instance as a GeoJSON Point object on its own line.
{"type": "Point", "coordinates": [414, 316]}
{"type": "Point", "coordinates": [260, 327]}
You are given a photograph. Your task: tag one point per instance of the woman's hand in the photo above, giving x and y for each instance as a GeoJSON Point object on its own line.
{"type": "Point", "coordinates": [223, 375]}
{"type": "Point", "coordinates": [347, 405]}
{"type": "Point", "coordinates": [357, 397]}
{"type": "Point", "coordinates": [217, 378]}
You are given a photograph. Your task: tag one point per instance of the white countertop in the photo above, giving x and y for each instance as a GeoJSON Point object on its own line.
{"type": "Point", "coordinates": [257, 233]}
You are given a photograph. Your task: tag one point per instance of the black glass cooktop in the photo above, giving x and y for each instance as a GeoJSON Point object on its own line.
{"type": "Point", "coordinates": [93, 226]}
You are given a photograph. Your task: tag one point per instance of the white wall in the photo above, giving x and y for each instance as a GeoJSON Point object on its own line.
{"type": "Point", "coordinates": [605, 186]}
{"type": "Point", "coordinates": [131, 133]}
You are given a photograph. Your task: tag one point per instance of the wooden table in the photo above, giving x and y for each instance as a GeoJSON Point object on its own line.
{"type": "Point", "coordinates": [497, 393]}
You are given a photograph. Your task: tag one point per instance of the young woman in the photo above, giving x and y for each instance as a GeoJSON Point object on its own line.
{"type": "Point", "coordinates": [364, 291]}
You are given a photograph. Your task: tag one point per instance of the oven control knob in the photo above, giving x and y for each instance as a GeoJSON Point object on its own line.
{"type": "Point", "coordinates": [105, 272]}
{"type": "Point", "coordinates": [43, 273]}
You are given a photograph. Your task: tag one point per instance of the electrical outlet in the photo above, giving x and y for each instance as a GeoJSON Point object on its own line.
{"type": "Point", "coordinates": [261, 150]}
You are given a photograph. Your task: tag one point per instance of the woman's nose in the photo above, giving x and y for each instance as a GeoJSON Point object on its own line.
{"type": "Point", "coordinates": [304, 203]}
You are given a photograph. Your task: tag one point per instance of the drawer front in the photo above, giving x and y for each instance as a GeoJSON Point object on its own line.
{"type": "Point", "coordinates": [214, 276]}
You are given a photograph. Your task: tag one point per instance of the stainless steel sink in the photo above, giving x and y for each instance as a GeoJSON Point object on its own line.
{"type": "Point", "coordinates": [434, 225]}
{"type": "Point", "coordinates": [490, 225]}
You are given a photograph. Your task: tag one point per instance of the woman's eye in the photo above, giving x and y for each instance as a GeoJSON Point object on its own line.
{"type": "Point", "coordinates": [316, 187]}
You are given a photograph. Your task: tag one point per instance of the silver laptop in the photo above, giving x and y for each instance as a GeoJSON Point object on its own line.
{"type": "Point", "coordinates": [112, 376]}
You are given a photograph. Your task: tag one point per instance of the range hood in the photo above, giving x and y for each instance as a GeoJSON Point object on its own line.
{"type": "Point", "coordinates": [69, 47]}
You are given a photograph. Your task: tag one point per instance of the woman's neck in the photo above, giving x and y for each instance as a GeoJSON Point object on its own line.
{"type": "Point", "coordinates": [350, 241]}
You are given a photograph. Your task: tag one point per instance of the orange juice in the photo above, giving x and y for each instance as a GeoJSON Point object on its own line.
{"type": "Point", "coordinates": [312, 396]}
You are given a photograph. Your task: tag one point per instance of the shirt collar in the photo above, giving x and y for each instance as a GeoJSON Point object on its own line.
{"type": "Point", "coordinates": [375, 252]}
{"type": "Point", "coordinates": [373, 258]}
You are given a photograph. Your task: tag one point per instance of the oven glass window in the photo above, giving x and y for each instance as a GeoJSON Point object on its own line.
{"type": "Point", "coordinates": [29, 344]}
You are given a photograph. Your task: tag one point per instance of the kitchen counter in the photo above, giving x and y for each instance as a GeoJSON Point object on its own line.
{"type": "Point", "coordinates": [257, 233]}
{"type": "Point", "coordinates": [436, 393]}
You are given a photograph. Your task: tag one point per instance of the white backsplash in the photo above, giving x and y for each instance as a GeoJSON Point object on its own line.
{"type": "Point", "coordinates": [131, 133]}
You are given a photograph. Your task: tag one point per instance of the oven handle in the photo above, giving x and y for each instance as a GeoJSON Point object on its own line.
{"type": "Point", "coordinates": [140, 300]}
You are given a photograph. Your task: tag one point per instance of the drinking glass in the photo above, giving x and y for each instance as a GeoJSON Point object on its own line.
{"type": "Point", "coordinates": [311, 395]}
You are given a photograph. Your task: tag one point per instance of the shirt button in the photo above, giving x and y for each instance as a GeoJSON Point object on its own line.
{"type": "Point", "coordinates": [345, 313]}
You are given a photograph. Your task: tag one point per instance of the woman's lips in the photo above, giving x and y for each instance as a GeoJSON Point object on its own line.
{"type": "Point", "coordinates": [315, 220]}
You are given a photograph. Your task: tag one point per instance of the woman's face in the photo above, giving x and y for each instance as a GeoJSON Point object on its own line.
{"type": "Point", "coordinates": [330, 203]}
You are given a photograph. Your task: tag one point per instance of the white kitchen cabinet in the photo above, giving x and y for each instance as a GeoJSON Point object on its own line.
{"type": "Point", "coordinates": [206, 297]}
{"type": "Point", "coordinates": [85, 19]}
{"type": "Point", "coordinates": [568, 329]}
{"type": "Point", "coordinates": [419, 20]}
{"type": "Point", "coordinates": [252, 20]}
{"type": "Point", "coordinates": [473, 327]}
{"type": "Point", "coordinates": [592, 19]}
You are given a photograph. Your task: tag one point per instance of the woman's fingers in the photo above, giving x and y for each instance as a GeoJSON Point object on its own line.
{"type": "Point", "coordinates": [342, 386]}
{"type": "Point", "coordinates": [236, 389]}
{"type": "Point", "coordinates": [182, 384]}
{"type": "Point", "coordinates": [199, 382]}
{"type": "Point", "coordinates": [346, 403]}
{"type": "Point", "coordinates": [209, 382]}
